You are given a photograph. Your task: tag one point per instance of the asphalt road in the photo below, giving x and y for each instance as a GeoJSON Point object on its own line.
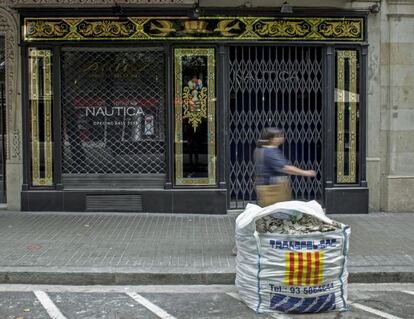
{"type": "Point", "coordinates": [391, 301]}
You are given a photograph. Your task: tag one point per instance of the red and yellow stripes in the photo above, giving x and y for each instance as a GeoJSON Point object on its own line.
{"type": "Point", "coordinates": [304, 268]}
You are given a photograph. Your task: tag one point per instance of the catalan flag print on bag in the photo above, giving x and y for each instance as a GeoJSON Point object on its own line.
{"type": "Point", "coordinates": [304, 268]}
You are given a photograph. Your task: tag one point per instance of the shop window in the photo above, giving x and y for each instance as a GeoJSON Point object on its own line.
{"type": "Point", "coordinates": [195, 131]}
{"type": "Point", "coordinates": [113, 105]}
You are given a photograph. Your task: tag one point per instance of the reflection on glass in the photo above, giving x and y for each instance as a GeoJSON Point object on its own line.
{"type": "Point", "coordinates": [195, 152]}
{"type": "Point", "coordinates": [347, 104]}
{"type": "Point", "coordinates": [40, 104]}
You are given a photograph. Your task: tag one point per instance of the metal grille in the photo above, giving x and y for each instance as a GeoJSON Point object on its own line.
{"type": "Point", "coordinates": [275, 87]}
{"type": "Point", "coordinates": [114, 203]}
{"type": "Point", "coordinates": [113, 111]}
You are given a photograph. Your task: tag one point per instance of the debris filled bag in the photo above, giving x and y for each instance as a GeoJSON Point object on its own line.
{"type": "Point", "coordinates": [291, 258]}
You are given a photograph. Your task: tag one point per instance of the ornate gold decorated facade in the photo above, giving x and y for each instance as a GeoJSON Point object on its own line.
{"type": "Point", "coordinates": [184, 28]}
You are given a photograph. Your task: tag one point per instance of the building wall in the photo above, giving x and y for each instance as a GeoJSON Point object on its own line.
{"type": "Point", "coordinates": [397, 105]}
{"type": "Point", "coordinates": [390, 108]}
{"type": "Point", "coordinates": [14, 164]}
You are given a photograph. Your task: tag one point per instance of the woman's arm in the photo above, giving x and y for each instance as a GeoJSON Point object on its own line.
{"type": "Point", "coordinates": [293, 170]}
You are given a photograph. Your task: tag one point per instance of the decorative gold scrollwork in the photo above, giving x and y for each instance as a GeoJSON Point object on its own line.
{"type": "Point", "coordinates": [341, 29]}
{"type": "Point", "coordinates": [107, 29]}
{"type": "Point", "coordinates": [204, 28]}
{"type": "Point", "coordinates": [47, 29]}
{"type": "Point", "coordinates": [282, 28]}
{"type": "Point", "coordinates": [195, 103]}
{"type": "Point", "coordinates": [346, 100]}
{"type": "Point", "coordinates": [40, 87]}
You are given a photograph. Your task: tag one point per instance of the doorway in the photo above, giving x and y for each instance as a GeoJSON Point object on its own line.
{"type": "Point", "coordinates": [275, 86]}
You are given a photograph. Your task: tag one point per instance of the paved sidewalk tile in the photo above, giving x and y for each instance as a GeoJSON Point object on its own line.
{"type": "Point", "coordinates": [173, 242]}
{"type": "Point", "coordinates": [121, 240]}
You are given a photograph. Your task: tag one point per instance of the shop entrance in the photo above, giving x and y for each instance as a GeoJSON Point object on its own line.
{"type": "Point", "coordinates": [275, 86]}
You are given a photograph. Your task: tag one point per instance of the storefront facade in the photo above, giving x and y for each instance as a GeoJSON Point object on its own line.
{"type": "Point", "coordinates": [132, 109]}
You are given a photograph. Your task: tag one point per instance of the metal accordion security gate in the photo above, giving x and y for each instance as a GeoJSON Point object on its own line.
{"type": "Point", "coordinates": [275, 86]}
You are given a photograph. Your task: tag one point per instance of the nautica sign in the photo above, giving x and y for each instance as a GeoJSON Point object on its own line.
{"type": "Point", "coordinates": [116, 110]}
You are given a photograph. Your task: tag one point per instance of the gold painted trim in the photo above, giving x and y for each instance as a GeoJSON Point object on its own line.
{"type": "Point", "coordinates": [35, 98]}
{"type": "Point", "coordinates": [352, 100]}
{"type": "Point", "coordinates": [211, 117]}
{"type": "Point", "coordinates": [183, 28]}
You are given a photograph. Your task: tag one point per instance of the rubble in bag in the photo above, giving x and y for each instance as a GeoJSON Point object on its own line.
{"type": "Point", "coordinates": [294, 224]}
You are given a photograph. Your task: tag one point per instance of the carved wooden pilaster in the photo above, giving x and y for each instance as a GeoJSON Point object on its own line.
{"type": "Point", "coordinates": [9, 28]}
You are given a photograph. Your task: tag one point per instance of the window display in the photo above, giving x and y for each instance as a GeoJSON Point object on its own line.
{"type": "Point", "coordinates": [113, 111]}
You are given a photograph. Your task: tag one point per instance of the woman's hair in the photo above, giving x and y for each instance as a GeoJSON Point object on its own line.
{"type": "Point", "coordinates": [267, 134]}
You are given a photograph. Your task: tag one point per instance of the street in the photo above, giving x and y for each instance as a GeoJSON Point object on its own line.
{"type": "Point", "coordinates": [391, 301]}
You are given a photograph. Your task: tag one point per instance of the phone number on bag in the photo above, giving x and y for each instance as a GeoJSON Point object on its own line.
{"type": "Point", "coordinates": [301, 290]}
{"type": "Point", "coordinates": [311, 290]}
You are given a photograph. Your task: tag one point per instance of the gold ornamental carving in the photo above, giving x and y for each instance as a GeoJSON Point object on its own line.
{"type": "Point", "coordinates": [195, 103]}
{"type": "Point", "coordinates": [347, 101]}
{"type": "Point", "coordinates": [183, 28]}
{"type": "Point", "coordinates": [49, 29]}
{"type": "Point", "coordinates": [344, 29]}
{"type": "Point", "coordinates": [106, 28]}
{"type": "Point", "coordinates": [283, 28]}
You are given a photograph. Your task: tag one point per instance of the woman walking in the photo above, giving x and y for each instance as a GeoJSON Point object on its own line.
{"type": "Point", "coordinates": [272, 169]}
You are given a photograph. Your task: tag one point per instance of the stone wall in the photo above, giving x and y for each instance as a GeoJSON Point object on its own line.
{"type": "Point", "coordinates": [397, 105]}
{"type": "Point", "coordinates": [14, 165]}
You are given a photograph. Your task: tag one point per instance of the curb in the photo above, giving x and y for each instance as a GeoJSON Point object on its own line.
{"type": "Point", "coordinates": [114, 278]}
{"type": "Point", "coordinates": [159, 278]}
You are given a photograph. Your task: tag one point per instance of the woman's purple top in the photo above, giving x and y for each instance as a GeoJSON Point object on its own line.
{"type": "Point", "coordinates": [269, 162]}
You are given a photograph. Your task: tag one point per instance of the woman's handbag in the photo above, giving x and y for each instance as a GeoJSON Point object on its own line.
{"type": "Point", "coordinates": [274, 193]}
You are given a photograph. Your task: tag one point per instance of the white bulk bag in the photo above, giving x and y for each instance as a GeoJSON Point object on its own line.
{"type": "Point", "coordinates": [291, 273]}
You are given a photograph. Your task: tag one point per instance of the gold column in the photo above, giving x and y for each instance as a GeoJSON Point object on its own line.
{"type": "Point", "coordinates": [346, 96]}
{"type": "Point", "coordinates": [40, 92]}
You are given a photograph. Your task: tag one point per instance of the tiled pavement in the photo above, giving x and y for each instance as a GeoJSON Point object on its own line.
{"type": "Point", "coordinates": [174, 244]}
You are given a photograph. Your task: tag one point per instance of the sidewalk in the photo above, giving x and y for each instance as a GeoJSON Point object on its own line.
{"type": "Point", "coordinates": [86, 248]}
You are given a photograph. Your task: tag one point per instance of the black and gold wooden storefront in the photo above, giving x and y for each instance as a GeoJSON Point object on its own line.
{"type": "Point", "coordinates": [161, 114]}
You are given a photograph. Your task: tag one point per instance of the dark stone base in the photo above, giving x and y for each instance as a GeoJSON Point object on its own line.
{"type": "Point", "coordinates": [205, 201]}
{"type": "Point", "coordinates": [346, 200]}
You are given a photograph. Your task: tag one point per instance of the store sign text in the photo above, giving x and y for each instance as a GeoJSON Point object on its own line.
{"type": "Point", "coordinates": [114, 111]}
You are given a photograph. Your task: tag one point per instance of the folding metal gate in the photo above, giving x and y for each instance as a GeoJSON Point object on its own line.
{"type": "Point", "coordinates": [275, 86]}
{"type": "Point", "coordinates": [113, 115]}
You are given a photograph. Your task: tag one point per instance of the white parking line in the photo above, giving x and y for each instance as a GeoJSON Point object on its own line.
{"type": "Point", "coordinates": [49, 305]}
{"type": "Point", "coordinates": [409, 292]}
{"type": "Point", "coordinates": [374, 311]}
{"type": "Point", "coordinates": [150, 306]}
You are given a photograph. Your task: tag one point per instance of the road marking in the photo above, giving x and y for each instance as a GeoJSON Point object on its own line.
{"type": "Point", "coordinates": [374, 311]}
{"type": "Point", "coordinates": [49, 305]}
{"type": "Point", "coordinates": [176, 289]}
{"type": "Point", "coordinates": [150, 306]}
{"type": "Point", "coordinates": [409, 292]}
{"type": "Point", "coordinates": [236, 296]}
